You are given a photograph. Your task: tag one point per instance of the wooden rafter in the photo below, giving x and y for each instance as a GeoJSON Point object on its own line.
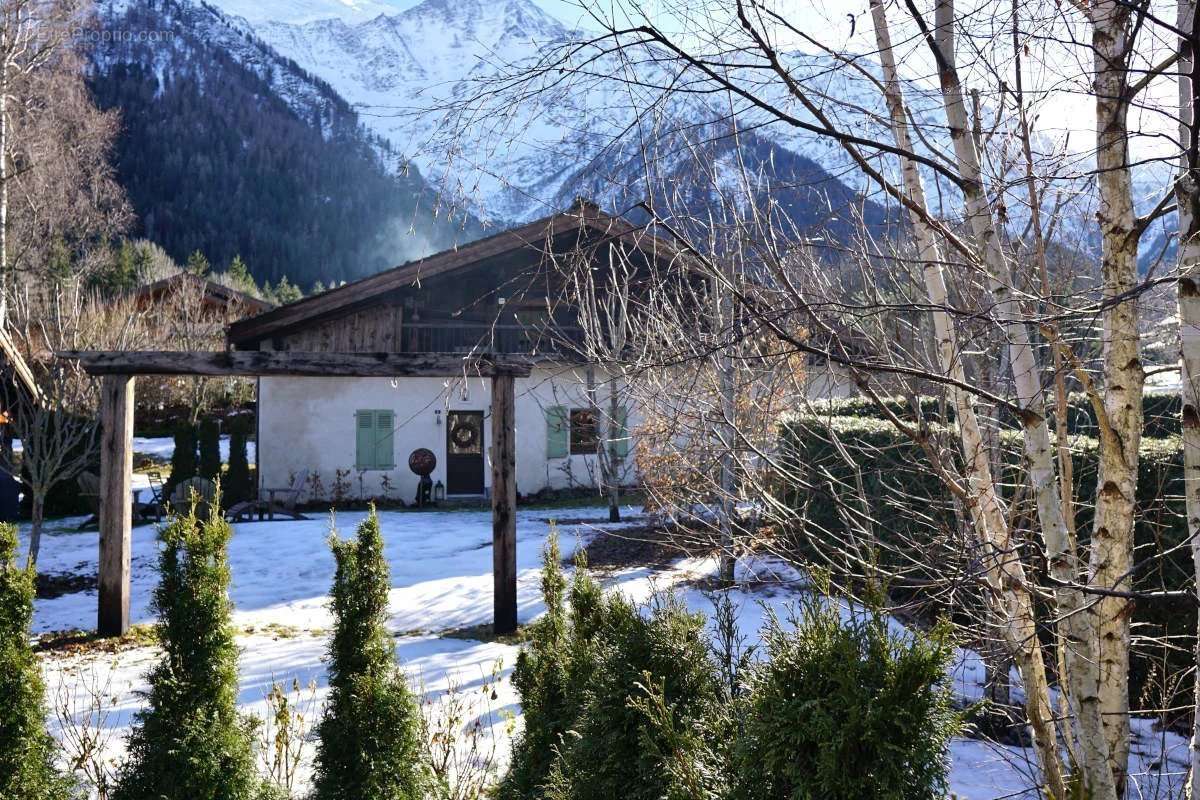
{"type": "Point", "coordinates": [296, 363]}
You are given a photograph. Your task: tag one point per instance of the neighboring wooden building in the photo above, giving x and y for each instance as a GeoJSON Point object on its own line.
{"type": "Point", "coordinates": [496, 295]}
{"type": "Point", "coordinates": [212, 298]}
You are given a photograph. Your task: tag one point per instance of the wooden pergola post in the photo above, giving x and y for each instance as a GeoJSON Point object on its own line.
{"type": "Point", "coordinates": [116, 508]}
{"type": "Point", "coordinates": [504, 503]}
{"type": "Point", "coordinates": [117, 368]}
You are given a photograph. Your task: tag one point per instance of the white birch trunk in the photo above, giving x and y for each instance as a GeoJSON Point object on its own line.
{"type": "Point", "coordinates": [1006, 574]}
{"type": "Point", "coordinates": [1116, 487]}
{"type": "Point", "coordinates": [1188, 196]}
{"type": "Point", "coordinates": [1080, 619]}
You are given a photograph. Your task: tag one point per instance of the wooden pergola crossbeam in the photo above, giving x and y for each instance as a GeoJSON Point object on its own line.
{"type": "Point", "coordinates": [259, 363]}
{"type": "Point", "coordinates": [119, 367]}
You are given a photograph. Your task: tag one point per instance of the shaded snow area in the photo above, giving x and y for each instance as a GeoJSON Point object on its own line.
{"type": "Point", "coordinates": [442, 582]}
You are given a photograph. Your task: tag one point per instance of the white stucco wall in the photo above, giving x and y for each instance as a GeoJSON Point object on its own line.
{"type": "Point", "coordinates": [308, 424]}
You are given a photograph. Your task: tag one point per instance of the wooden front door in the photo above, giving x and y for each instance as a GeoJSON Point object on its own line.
{"type": "Point", "coordinates": [464, 452]}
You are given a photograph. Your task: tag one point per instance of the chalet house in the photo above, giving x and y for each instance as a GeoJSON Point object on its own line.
{"type": "Point", "coordinates": [497, 295]}
{"type": "Point", "coordinates": [212, 298]}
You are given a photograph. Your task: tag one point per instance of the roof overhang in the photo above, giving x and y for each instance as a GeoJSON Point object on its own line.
{"type": "Point", "coordinates": [536, 237]}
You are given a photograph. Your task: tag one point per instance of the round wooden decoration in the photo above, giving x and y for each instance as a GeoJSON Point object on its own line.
{"type": "Point", "coordinates": [422, 461]}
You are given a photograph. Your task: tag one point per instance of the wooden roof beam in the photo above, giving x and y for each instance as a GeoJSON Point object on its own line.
{"type": "Point", "coordinates": [251, 363]}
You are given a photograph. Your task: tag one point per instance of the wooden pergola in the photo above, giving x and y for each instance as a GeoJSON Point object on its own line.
{"type": "Point", "coordinates": [118, 369]}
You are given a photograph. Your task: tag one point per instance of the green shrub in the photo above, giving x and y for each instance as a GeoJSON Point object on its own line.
{"type": "Point", "coordinates": [370, 743]}
{"type": "Point", "coordinates": [238, 484]}
{"type": "Point", "coordinates": [183, 459]}
{"type": "Point", "coordinates": [892, 496]}
{"type": "Point", "coordinates": [644, 703]}
{"type": "Point", "coordinates": [614, 749]}
{"type": "Point", "coordinates": [846, 709]}
{"type": "Point", "coordinates": [1161, 411]}
{"type": "Point", "coordinates": [26, 750]}
{"type": "Point", "coordinates": [190, 743]}
{"type": "Point", "coordinates": [542, 679]}
{"type": "Point", "coordinates": [582, 678]}
{"type": "Point", "coordinates": [210, 448]}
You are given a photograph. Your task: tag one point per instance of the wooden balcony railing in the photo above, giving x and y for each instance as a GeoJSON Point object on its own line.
{"type": "Point", "coordinates": [466, 337]}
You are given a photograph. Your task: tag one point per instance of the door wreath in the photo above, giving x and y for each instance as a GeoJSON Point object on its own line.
{"type": "Point", "coordinates": [464, 435]}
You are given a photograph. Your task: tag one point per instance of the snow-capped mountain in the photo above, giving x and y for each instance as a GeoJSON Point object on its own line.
{"type": "Point", "coordinates": [229, 148]}
{"type": "Point", "coordinates": [422, 79]}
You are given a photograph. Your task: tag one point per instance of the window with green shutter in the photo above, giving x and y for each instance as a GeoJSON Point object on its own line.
{"type": "Point", "coordinates": [374, 443]}
{"type": "Point", "coordinates": [618, 435]}
{"type": "Point", "coordinates": [558, 432]}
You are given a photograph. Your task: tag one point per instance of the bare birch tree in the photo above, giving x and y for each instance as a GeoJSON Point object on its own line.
{"type": "Point", "coordinates": [982, 262]}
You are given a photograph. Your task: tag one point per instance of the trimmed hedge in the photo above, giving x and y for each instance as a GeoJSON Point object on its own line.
{"type": "Point", "coordinates": [1161, 410]}
{"type": "Point", "coordinates": [893, 492]}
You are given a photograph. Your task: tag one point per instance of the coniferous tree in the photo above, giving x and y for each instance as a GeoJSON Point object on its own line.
{"type": "Point", "coordinates": [190, 743]}
{"type": "Point", "coordinates": [542, 678]}
{"type": "Point", "coordinates": [210, 448]}
{"type": "Point", "coordinates": [183, 458]}
{"type": "Point", "coordinates": [26, 749]}
{"type": "Point", "coordinates": [238, 485]}
{"type": "Point", "coordinates": [197, 264]}
{"type": "Point", "coordinates": [240, 273]}
{"type": "Point", "coordinates": [284, 292]}
{"type": "Point", "coordinates": [370, 742]}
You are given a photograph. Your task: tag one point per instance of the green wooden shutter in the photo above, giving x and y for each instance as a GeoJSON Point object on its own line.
{"type": "Point", "coordinates": [618, 437]}
{"type": "Point", "coordinates": [385, 449]}
{"type": "Point", "coordinates": [364, 439]}
{"type": "Point", "coordinates": [558, 432]}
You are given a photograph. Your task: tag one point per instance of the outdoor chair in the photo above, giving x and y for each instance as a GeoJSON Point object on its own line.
{"type": "Point", "coordinates": [206, 495]}
{"type": "Point", "coordinates": [271, 500]}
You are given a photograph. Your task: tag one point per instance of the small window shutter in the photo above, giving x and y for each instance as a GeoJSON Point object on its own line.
{"type": "Point", "coordinates": [619, 435]}
{"type": "Point", "coordinates": [385, 450]}
{"type": "Point", "coordinates": [364, 439]}
{"type": "Point", "coordinates": [558, 432]}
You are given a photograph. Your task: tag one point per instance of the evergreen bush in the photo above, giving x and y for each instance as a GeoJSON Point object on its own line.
{"type": "Point", "coordinates": [210, 448]}
{"type": "Point", "coordinates": [891, 485]}
{"type": "Point", "coordinates": [631, 702]}
{"type": "Point", "coordinates": [238, 484]}
{"type": "Point", "coordinates": [846, 710]}
{"type": "Point", "coordinates": [614, 749]}
{"type": "Point", "coordinates": [190, 743]}
{"type": "Point", "coordinates": [543, 681]}
{"type": "Point", "coordinates": [26, 749]}
{"type": "Point", "coordinates": [183, 459]}
{"type": "Point", "coordinates": [589, 661]}
{"type": "Point", "coordinates": [370, 742]}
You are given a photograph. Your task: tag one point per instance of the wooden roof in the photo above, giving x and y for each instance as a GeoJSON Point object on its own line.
{"type": "Point", "coordinates": [12, 360]}
{"type": "Point", "coordinates": [533, 237]}
{"type": "Point", "coordinates": [215, 293]}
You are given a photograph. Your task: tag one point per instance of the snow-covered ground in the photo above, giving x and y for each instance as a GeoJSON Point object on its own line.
{"type": "Point", "coordinates": [441, 582]}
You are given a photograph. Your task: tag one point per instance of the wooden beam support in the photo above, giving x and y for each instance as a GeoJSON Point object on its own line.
{"type": "Point", "coordinates": [116, 506]}
{"type": "Point", "coordinates": [292, 362]}
{"type": "Point", "coordinates": [504, 503]}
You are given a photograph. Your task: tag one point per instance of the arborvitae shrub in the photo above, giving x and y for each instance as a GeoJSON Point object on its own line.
{"type": "Point", "coordinates": [210, 448]}
{"type": "Point", "coordinates": [644, 703]}
{"type": "Point", "coordinates": [370, 736]}
{"type": "Point", "coordinates": [542, 678]}
{"type": "Point", "coordinates": [190, 743]}
{"type": "Point", "coordinates": [237, 484]}
{"type": "Point", "coordinates": [846, 709]}
{"type": "Point", "coordinates": [613, 748]}
{"type": "Point", "coordinates": [183, 459]}
{"type": "Point", "coordinates": [588, 663]}
{"type": "Point", "coordinates": [26, 750]}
